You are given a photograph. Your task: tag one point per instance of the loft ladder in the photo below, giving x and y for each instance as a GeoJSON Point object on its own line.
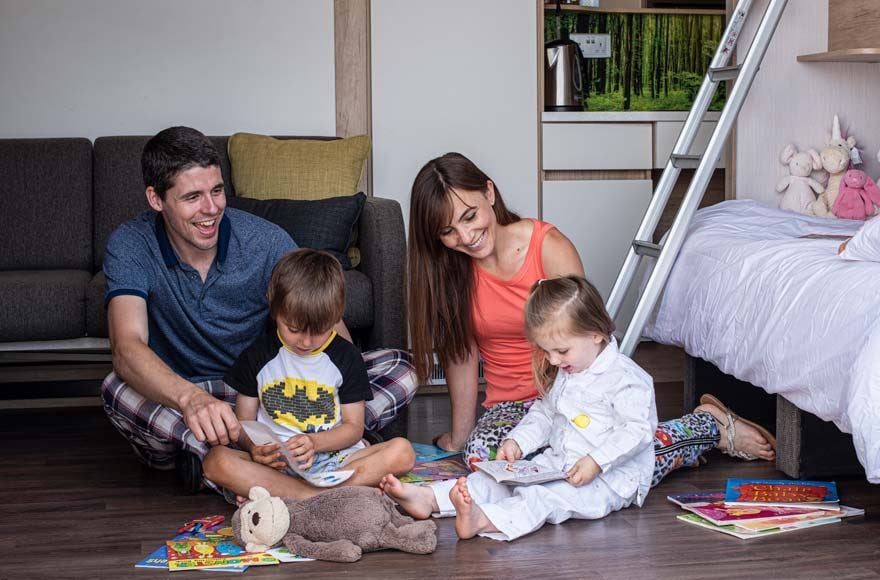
{"type": "Point", "coordinates": [680, 158]}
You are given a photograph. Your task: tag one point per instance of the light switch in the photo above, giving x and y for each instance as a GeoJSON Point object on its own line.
{"type": "Point", "coordinates": [593, 45]}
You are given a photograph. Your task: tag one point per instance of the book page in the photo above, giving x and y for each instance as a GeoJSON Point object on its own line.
{"type": "Point", "coordinates": [520, 472]}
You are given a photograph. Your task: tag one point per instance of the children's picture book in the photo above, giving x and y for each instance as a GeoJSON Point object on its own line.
{"type": "Point", "coordinates": [199, 528]}
{"type": "Point", "coordinates": [798, 520]}
{"type": "Point", "coordinates": [782, 493]}
{"type": "Point", "coordinates": [732, 530]}
{"type": "Point", "coordinates": [427, 452]}
{"type": "Point", "coordinates": [721, 514]}
{"type": "Point", "coordinates": [260, 434]}
{"type": "Point", "coordinates": [190, 553]}
{"type": "Point", "coordinates": [440, 470]}
{"type": "Point", "coordinates": [698, 498]}
{"type": "Point", "coordinates": [519, 472]}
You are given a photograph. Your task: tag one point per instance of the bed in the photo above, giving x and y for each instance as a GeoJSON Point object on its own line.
{"type": "Point", "coordinates": [754, 297]}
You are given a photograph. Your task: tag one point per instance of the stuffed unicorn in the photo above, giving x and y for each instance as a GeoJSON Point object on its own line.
{"type": "Point", "coordinates": [836, 157]}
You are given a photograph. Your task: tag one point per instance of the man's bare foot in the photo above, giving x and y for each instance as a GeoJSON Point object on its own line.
{"type": "Point", "coordinates": [416, 500]}
{"type": "Point", "coordinates": [470, 520]}
{"type": "Point", "coordinates": [747, 439]}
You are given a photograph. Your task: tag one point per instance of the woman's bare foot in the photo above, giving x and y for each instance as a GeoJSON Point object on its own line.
{"type": "Point", "coordinates": [416, 500]}
{"type": "Point", "coordinates": [747, 439]}
{"type": "Point", "coordinates": [470, 520]}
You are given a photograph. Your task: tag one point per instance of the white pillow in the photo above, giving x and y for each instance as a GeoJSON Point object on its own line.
{"type": "Point", "coordinates": [865, 245]}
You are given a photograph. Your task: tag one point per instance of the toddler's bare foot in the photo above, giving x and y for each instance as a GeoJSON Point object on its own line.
{"type": "Point", "coordinates": [470, 520]}
{"type": "Point", "coordinates": [747, 439]}
{"type": "Point", "coordinates": [240, 500]}
{"type": "Point", "coordinates": [416, 500]}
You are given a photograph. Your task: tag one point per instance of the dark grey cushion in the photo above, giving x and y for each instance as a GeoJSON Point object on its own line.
{"type": "Point", "coordinates": [46, 196]}
{"type": "Point", "coordinates": [322, 224]}
{"type": "Point", "coordinates": [47, 305]}
{"type": "Point", "coordinates": [359, 311]}
{"type": "Point", "coordinates": [96, 312]}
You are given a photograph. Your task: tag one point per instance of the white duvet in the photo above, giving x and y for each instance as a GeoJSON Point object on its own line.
{"type": "Point", "coordinates": [767, 306]}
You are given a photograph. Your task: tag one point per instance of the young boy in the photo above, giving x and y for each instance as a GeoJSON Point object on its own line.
{"type": "Point", "coordinates": [308, 385]}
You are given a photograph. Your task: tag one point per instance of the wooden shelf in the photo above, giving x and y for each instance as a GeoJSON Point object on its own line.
{"type": "Point", "coordinates": [600, 10]}
{"type": "Point", "coordinates": [849, 55]}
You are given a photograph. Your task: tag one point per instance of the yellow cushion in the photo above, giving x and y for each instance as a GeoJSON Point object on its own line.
{"type": "Point", "coordinates": [268, 168]}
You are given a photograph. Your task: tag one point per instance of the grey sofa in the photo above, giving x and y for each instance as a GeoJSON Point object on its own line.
{"type": "Point", "coordinates": [61, 199]}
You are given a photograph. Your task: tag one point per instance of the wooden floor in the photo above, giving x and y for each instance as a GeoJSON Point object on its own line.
{"type": "Point", "coordinates": [76, 504]}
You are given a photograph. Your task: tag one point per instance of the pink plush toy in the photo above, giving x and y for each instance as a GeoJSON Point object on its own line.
{"type": "Point", "coordinates": [858, 194]}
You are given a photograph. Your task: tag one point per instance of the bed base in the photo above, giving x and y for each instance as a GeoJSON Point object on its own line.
{"type": "Point", "coordinates": [807, 447]}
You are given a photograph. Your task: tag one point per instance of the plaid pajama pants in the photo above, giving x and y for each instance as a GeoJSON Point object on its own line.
{"type": "Point", "coordinates": [158, 433]}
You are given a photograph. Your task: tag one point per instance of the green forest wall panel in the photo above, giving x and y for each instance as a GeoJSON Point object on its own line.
{"type": "Point", "coordinates": [657, 61]}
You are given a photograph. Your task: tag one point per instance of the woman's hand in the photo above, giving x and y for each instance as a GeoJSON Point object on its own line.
{"type": "Point", "coordinates": [584, 471]}
{"type": "Point", "coordinates": [268, 455]}
{"type": "Point", "coordinates": [446, 442]}
{"type": "Point", "coordinates": [303, 450]}
{"type": "Point", "coordinates": [509, 451]}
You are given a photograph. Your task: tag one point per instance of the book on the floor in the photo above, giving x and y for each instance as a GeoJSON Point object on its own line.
{"type": "Point", "coordinates": [260, 434]}
{"type": "Point", "coordinates": [189, 554]}
{"type": "Point", "coordinates": [158, 558]}
{"type": "Point", "coordinates": [732, 530]}
{"type": "Point", "coordinates": [519, 472]}
{"type": "Point", "coordinates": [796, 520]}
{"type": "Point", "coordinates": [721, 514]}
{"type": "Point", "coordinates": [698, 498]}
{"type": "Point", "coordinates": [781, 493]}
{"type": "Point", "coordinates": [440, 470]}
{"type": "Point", "coordinates": [428, 452]}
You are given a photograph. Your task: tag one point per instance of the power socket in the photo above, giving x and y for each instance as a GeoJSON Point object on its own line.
{"type": "Point", "coordinates": [593, 45]}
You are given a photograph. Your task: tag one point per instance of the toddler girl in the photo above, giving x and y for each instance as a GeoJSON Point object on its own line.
{"type": "Point", "coordinates": [596, 421]}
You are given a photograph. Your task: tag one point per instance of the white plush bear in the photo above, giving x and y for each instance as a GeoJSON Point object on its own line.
{"type": "Point", "coordinates": [799, 186]}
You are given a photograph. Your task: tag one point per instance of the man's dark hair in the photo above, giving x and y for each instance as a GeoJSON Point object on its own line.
{"type": "Point", "coordinates": [174, 150]}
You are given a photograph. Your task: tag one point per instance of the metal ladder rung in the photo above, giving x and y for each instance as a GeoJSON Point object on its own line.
{"type": "Point", "coordinates": [646, 248]}
{"type": "Point", "coordinates": [724, 73]}
{"type": "Point", "coordinates": [686, 161]}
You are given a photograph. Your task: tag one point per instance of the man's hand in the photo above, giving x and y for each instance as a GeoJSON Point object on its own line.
{"type": "Point", "coordinates": [303, 449]}
{"type": "Point", "coordinates": [509, 451]}
{"type": "Point", "coordinates": [446, 443]}
{"type": "Point", "coordinates": [583, 472]}
{"type": "Point", "coordinates": [269, 455]}
{"type": "Point", "coordinates": [210, 419]}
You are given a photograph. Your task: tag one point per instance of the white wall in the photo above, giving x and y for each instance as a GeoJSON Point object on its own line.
{"type": "Point", "coordinates": [455, 75]}
{"type": "Point", "coordinates": [794, 102]}
{"type": "Point", "coordinates": [114, 67]}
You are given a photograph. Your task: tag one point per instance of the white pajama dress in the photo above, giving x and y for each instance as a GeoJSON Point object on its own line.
{"type": "Point", "coordinates": [607, 412]}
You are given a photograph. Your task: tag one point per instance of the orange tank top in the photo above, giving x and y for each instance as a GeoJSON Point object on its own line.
{"type": "Point", "coordinates": [499, 325]}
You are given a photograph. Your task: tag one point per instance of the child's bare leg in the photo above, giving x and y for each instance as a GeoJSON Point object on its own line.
{"type": "Point", "coordinates": [470, 520]}
{"type": "Point", "coordinates": [236, 471]}
{"type": "Point", "coordinates": [416, 500]}
{"type": "Point", "coordinates": [372, 463]}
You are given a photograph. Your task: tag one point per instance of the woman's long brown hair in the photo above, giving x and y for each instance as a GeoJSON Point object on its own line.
{"type": "Point", "coordinates": [441, 280]}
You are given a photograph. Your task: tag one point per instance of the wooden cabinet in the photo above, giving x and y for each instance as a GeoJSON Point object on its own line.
{"type": "Point", "coordinates": [597, 146]}
{"type": "Point", "coordinates": [666, 133]}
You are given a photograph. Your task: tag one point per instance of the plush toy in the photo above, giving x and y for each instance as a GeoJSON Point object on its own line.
{"type": "Point", "coordinates": [336, 525]}
{"type": "Point", "coordinates": [835, 160]}
{"type": "Point", "coordinates": [858, 194]}
{"type": "Point", "coordinates": [799, 196]}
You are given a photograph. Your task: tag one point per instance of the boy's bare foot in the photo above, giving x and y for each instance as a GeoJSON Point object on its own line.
{"type": "Point", "coordinates": [747, 439]}
{"type": "Point", "coordinates": [240, 500]}
{"type": "Point", "coordinates": [416, 500]}
{"type": "Point", "coordinates": [470, 520]}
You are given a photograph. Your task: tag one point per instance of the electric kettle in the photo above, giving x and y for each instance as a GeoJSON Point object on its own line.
{"type": "Point", "coordinates": [563, 80]}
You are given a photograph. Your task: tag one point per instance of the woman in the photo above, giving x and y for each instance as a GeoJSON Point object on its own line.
{"type": "Point", "coordinates": [471, 263]}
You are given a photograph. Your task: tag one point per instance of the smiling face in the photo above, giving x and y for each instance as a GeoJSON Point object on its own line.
{"type": "Point", "coordinates": [471, 226]}
{"type": "Point", "coordinates": [571, 353]}
{"type": "Point", "coordinates": [192, 208]}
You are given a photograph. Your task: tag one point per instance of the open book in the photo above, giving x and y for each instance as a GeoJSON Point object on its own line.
{"type": "Point", "coordinates": [260, 434]}
{"type": "Point", "coordinates": [519, 472]}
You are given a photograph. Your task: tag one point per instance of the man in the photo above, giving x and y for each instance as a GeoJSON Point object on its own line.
{"type": "Point", "coordinates": [186, 293]}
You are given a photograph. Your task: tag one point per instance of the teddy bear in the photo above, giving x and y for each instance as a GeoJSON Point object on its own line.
{"type": "Point", "coordinates": [835, 159]}
{"type": "Point", "coordinates": [336, 525]}
{"type": "Point", "coordinates": [858, 194]}
{"type": "Point", "coordinates": [799, 196]}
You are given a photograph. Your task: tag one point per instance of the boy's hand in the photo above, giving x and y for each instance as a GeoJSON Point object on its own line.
{"type": "Point", "coordinates": [584, 471]}
{"type": "Point", "coordinates": [509, 451]}
{"type": "Point", "coordinates": [303, 449]}
{"type": "Point", "coordinates": [268, 454]}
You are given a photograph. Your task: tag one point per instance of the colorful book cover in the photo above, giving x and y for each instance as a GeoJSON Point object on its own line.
{"type": "Point", "coordinates": [732, 530]}
{"type": "Point", "coordinates": [780, 492]}
{"type": "Point", "coordinates": [721, 514]}
{"type": "Point", "coordinates": [158, 558]}
{"type": "Point", "coordinates": [440, 470]}
{"type": "Point", "coordinates": [427, 452]}
{"type": "Point", "coordinates": [188, 554]}
{"type": "Point", "coordinates": [698, 498]}
{"type": "Point", "coordinates": [798, 520]}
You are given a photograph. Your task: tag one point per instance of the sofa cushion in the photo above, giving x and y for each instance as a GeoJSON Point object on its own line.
{"type": "Point", "coordinates": [358, 300]}
{"type": "Point", "coordinates": [46, 196]}
{"type": "Point", "coordinates": [96, 311]}
{"type": "Point", "coordinates": [267, 168]}
{"type": "Point", "coordinates": [42, 305]}
{"type": "Point", "coordinates": [323, 224]}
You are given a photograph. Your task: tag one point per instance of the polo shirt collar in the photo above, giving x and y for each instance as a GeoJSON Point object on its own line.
{"type": "Point", "coordinates": [170, 257]}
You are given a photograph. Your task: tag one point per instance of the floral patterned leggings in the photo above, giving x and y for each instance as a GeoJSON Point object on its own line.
{"type": "Point", "coordinates": [677, 442]}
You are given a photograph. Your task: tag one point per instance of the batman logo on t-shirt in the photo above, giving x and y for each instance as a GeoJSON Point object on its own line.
{"type": "Point", "coordinates": [300, 404]}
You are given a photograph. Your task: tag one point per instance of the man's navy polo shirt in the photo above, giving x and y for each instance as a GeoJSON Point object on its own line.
{"type": "Point", "coordinates": [198, 329]}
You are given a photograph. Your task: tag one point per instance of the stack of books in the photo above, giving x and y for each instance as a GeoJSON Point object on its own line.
{"type": "Point", "coordinates": [754, 508]}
